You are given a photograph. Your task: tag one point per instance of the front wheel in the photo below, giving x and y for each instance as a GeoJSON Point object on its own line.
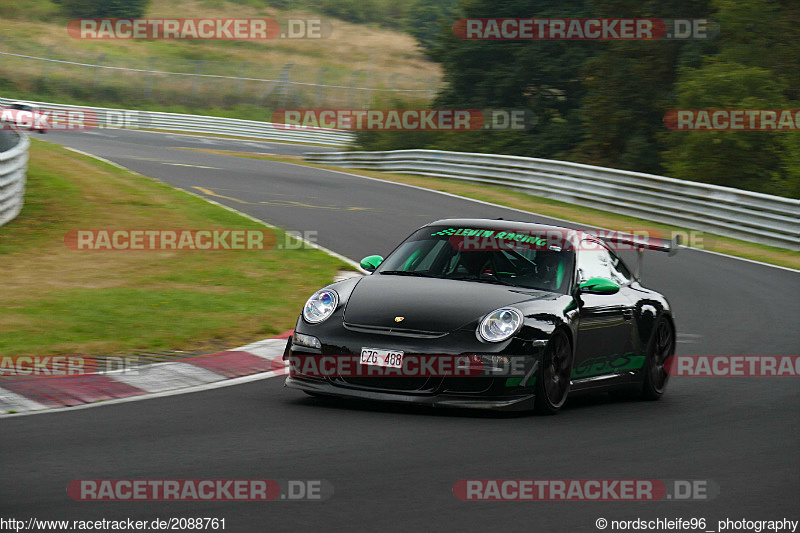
{"type": "Point", "coordinates": [662, 346]}
{"type": "Point", "coordinates": [553, 379]}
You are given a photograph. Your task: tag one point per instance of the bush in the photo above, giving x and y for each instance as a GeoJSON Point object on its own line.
{"type": "Point", "coordinates": [104, 8]}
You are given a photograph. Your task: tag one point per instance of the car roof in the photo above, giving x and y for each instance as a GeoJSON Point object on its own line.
{"type": "Point", "coordinates": [503, 224]}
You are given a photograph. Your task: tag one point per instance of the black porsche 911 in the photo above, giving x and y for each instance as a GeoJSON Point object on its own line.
{"type": "Point", "coordinates": [487, 314]}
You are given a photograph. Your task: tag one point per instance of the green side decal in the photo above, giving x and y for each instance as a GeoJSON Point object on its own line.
{"type": "Point", "coordinates": [513, 382]}
{"type": "Point", "coordinates": [595, 366]}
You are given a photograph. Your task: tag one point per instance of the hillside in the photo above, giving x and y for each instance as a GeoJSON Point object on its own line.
{"type": "Point", "coordinates": [381, 63]}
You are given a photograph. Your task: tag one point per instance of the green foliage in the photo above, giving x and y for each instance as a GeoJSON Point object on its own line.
{"type": "Point", "coordinates": [597, 102]}
{"type": "Point", "coordinates": [763, 33]}
{"type": "Point", "coordinates": [536, 76]}
{"type": "Point", "coordinates": [755, 68]}
{"type": "Point", "coordinates": [790, 165]}
{"type": "Point", "coordinates": [41, 10]}
{"type": "Point", "coordinates": [104, 8]}
{"type": "Point", "coordinates": [428, 21]}
{"type": "Point", "coordinates": [604, 102]}
{"type": "Point", "coordinates": [751, 160]}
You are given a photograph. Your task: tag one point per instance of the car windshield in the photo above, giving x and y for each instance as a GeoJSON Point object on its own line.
{"type": "Point", "coordinates": [21, 107]}
{"type": "Point", "coordinates": [481, 255]}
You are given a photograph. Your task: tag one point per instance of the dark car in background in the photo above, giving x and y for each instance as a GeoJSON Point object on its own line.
{"type": "Point", "coordinates": [22, 116]}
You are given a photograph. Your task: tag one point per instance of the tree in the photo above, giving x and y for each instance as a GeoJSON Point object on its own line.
{"type": "Point", "coordinates": [540, 76]}
{"type": "Point", "coordinates": [743, 159]}
{"type": "Point", "coordinates": [755, 67]}
{"type": "Point", "coordinates": [428, 20]}
{"type": "Point", "coordinates": [630, 84]}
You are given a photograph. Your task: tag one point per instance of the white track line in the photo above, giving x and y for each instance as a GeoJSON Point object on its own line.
{"type": "Point", "coordinates": [245, 215]}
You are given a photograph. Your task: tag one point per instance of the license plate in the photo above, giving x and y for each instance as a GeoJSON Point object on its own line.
{"type": "Point", "coordinates": [379, 357]}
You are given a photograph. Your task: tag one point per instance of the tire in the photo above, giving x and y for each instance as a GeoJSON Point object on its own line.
{"type": "Point", "coordinates": [661, 346]}
{"type": "Point", "coordinates": [553, 378]}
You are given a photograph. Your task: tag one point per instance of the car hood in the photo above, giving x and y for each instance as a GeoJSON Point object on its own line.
{"type": "Point", "coordinates": [427, 305]}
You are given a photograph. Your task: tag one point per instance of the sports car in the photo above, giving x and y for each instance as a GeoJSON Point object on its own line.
{"type": "Point", "coordinates": [487, 314]}
{"type": "Point", "coordinates": [21, 116]}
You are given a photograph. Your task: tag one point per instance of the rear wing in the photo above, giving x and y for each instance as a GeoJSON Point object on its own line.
{"type": "Point", "coordinates": [640, 243]}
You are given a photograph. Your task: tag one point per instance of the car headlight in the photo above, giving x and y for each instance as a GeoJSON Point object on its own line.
{"type": "Point", "coordinates": [500, 324]}
{"type": "Point", "coordinates": [320, 306]}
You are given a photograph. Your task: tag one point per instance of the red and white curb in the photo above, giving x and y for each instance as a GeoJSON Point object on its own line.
{"type": "Point", "coordinates": [259, 360]}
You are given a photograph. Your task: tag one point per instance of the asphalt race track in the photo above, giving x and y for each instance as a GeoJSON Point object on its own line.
{"type": "Point", "coordinates": [393, 468]}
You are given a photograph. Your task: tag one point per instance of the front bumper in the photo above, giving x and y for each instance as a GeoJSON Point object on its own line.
{"type": "Point", "coordinates": [499, 391]}
{"type": "Point", "coordinates": [523, 402]}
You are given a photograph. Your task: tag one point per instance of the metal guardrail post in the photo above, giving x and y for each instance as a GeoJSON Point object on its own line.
{"type": "Point", "coordinates": [13, 165]}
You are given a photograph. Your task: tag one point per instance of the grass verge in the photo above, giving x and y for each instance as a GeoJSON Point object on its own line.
{"type": "Point", "coordinates": [57, 300]}
{"type": "Point", "coordinates": [552, 208]}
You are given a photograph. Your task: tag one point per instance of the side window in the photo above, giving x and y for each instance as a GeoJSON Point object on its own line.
{"type": "Point", "coordinates": [619, 272]}
{"type": "Point", "coordinates": [594, 261]}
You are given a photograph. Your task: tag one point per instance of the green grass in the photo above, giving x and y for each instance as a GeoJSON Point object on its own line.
{"type": "Point", "coordinates": [58, 300]}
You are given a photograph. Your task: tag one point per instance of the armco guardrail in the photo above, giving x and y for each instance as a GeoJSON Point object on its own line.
{"type": "Point", "coordinates": [745, 215]}
{"type": "Point", "coordinates": [203, 124]}
{"type": "Point", "coordinates": [13, 164]}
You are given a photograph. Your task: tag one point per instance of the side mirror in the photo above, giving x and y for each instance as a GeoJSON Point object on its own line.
{"type": "Point", "coordinates": [371, 262]}
{"type": "Point", "coordinates": [599, 286]}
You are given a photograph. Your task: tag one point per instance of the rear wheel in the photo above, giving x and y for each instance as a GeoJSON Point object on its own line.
{"type": "Point", "coordinates": [552, 380]}
{"type": "Point", "coordinates": [662, 346]}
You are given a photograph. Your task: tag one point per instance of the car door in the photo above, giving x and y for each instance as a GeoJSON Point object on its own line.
{"type": "Point", "coordinates": [605, 324]}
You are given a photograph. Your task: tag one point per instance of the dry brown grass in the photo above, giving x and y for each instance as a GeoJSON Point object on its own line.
{"type": "Point", "coordinates": [351, 46]}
